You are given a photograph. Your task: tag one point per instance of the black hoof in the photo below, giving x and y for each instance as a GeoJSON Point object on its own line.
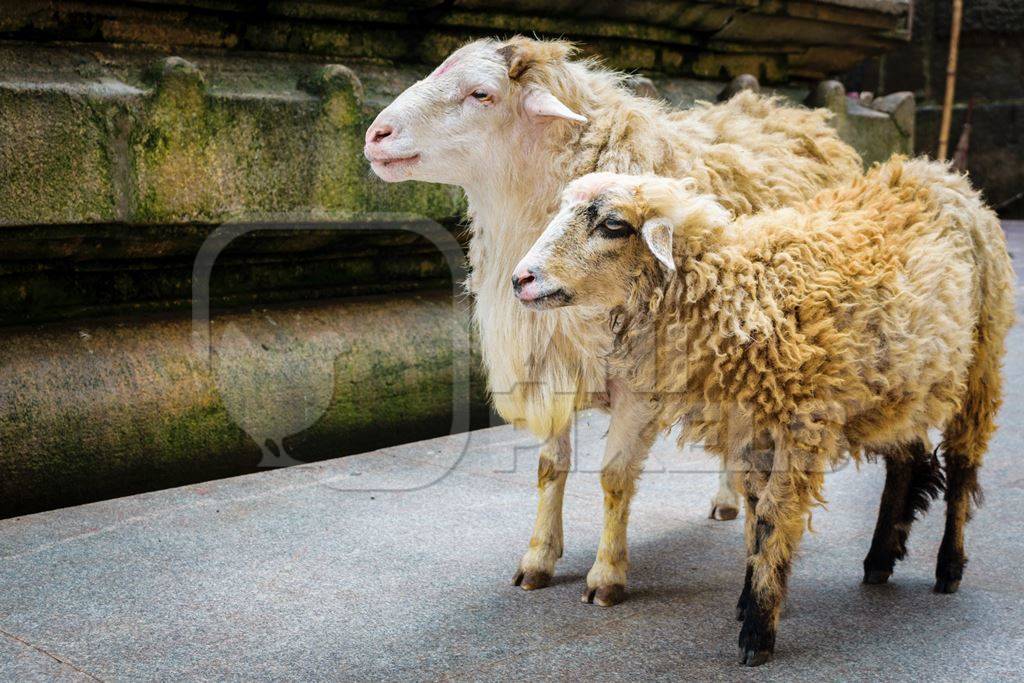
{"type": "Point", "coordinates": [757, 636]}
{"type": "Point", "coordinates": [875, 577]}
{"type": "Point", "coordinates": [754, 657]}
{"type": "Point", "coordinates": [948, 573]}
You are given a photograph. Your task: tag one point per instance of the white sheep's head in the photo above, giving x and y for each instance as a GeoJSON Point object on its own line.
{"type": "Point", "coordinates": [487, 100]}
{"type": "Point", "coordinates": [609, 230]}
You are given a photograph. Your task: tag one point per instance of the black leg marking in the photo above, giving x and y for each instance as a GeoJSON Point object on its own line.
{"type": "Point", "coordinates": [961, 487]}
{"type": "Point", "coordinates": [741, 605]}
{"type": "Point", "coordinates": [757, 636]}
{"type": "Point", "coordinates": [913, 479]}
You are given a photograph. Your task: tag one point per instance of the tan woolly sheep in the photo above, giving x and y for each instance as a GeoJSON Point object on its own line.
{"type": "Point", "coordinates": [512, 123]}
{"type": "Point", "coordinates": [856, 321]}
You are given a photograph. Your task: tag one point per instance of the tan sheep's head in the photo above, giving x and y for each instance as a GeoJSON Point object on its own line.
{"type": "Point", "coordinates": [487, 101]}
{"type": "Point", "coordinates": [609, 231]}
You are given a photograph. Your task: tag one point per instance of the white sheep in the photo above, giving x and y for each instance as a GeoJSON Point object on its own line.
{"type": "Point", "coordinates": [512, 123]}
{"type": "Point", "coordinates": [856, 321]}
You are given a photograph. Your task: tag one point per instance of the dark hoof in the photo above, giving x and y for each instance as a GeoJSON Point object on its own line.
{"type": "Point", "coordinates": [948, 574]}
{"type": "Point", "coordinates": [530, 581]}
{"type": "Point", "coordinates": [754, 657]}
{"type": "Point", "coordinates": [605, 596]}
{"type": "Point", "coordinates": [875, 577]}
{"type": "Point", "coordinates": [757, 635]}
{"type": "Point", "coordinates": [724, 513]}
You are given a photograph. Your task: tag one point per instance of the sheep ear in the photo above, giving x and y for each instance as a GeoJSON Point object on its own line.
{"type": "Point", "coordinates": [540, 103]}
{"type": "Point", "coordinates": [522, 53]}
{"type": "Point", "coordinates": [657, 234]}
{"type": "Point", "coordinates": [516, 59]}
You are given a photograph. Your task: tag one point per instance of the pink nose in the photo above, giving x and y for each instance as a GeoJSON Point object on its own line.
{"type": "Point", "coordinates": [377, 133]}
{"type": "Point", "coordinates": [522, 278]}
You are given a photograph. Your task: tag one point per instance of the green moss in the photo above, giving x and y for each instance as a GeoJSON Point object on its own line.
{"type": "Point", "coordinates": [206, 157]}
{"type": "Point", "coordinates": [111, 409]}
{"type": "Point", "coordinates": [53, 165]}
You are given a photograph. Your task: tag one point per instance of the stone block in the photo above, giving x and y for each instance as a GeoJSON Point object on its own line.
{"type": "Point", "coordinates": [57, 153]}
{"type": "Point", "coordinates": [900, 106]}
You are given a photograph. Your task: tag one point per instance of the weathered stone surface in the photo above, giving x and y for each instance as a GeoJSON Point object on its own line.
{"type": "Point", "coordinates": [900, 106]}
{"type": "Point", "coordinates": [872, 132]}
{"type": "Point", "coordinates": [728, 66]}
{"type": "Point", "coordinates": [204, 158]}
{"type": "Point", "coordinates": [57, 272]}
{"type": "Point", "coordinates": [194, 144]}
{"type": "Point", "coordinates": [983, 16]}
{"type": "Point", "coordinates": [875, 133]}
{"type": "Point", "coordinates": [101, 409]}
{"type": "Point", "coordinates": [54, 162]}
{"type": "Point", "coordinates": [828, 95]}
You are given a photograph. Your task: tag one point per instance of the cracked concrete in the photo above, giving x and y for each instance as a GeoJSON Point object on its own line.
{"type": "Point", "coordinates": [397, 565]}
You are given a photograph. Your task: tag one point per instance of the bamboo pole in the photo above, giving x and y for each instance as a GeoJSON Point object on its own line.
{"type": "Point", "coordinates": [947, 104]}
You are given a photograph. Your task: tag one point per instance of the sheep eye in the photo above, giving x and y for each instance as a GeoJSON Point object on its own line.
{"type": "Point", "coordinates": [615, 228]}
{"type": "Point", "coordinates": [481, 96]}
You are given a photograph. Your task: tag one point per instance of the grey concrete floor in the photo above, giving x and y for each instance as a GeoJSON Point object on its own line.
{"type": "Point", "coordinates": [397, 565]}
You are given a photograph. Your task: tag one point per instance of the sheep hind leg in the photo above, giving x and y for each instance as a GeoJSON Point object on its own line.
{"type": "Point", "coordinates": [630, 436]}
{"type": "Point", "coordinates": [964, 442]}
{"type": "Point", "coordinates": [961, 487]}
{"type": "Point", "coordinates": [913, 479]}
{"type": "Point", "coordinates": [538, 564]}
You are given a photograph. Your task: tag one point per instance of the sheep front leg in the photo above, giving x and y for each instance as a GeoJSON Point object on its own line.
{"type": "Point", "coordinates": [630, 436]}
{"type": "Point", "coordinates": [754, 482]}
{"type": "Point", "coordinates": [538, 564]}
{"type": "Point", "coordinates": [779, 511]}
